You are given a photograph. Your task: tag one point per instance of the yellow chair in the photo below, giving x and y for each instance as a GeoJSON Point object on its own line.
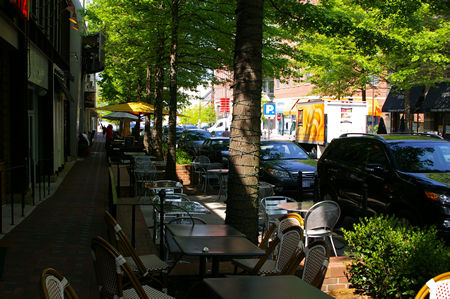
{"type": "Point", "coordinates": [437, 287]}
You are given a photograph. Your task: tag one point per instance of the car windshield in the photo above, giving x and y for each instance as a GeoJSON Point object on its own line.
{"type": "Point", "coordinates": [422, 157]}
{"type": "Point", "coordinates": [220, 143]}
{"type": "Point", "coordinates": [282, 151]}
{"type": "Point", "coordinates": [198, 135]}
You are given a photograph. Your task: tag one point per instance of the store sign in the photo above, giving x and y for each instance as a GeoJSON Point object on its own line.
{"type": "Point", "coordinates": [224, 104]}
{"type": "Point", "coordinates": [22, 5]}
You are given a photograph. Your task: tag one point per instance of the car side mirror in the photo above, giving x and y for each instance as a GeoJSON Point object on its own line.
{"type": "Point", "coordinates": [376, 169]}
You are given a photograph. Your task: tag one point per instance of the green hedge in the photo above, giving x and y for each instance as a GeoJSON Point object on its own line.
{"type": "Point", "coordinates": [391, 260]}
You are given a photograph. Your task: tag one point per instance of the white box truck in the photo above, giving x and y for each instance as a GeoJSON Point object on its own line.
{"type": "Point", "coordinates": [319, 121]}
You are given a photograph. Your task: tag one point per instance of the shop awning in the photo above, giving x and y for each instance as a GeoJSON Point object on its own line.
{"type": "Point", "coordinates": [395, 101]}
{"type": "Point", "coordinates": [437, 99]}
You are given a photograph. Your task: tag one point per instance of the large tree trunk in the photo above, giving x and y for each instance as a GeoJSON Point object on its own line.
{"type": "Point", "coordinates": [242, 200]}
{"type": "Point", "coordinates": [148, 99]}
{"type": "Point", "coordinates": [171, 153]}
{"type": "Point", "coordinates": [159, 89]}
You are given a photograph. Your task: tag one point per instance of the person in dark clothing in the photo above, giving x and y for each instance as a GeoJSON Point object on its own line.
{"type": "Point", "coordinates": [109, 135]}
{"type": "Point", "coordinates": [381, 127]}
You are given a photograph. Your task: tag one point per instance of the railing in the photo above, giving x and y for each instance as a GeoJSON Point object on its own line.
{"type": "Point", "coordinates": [37, 177]}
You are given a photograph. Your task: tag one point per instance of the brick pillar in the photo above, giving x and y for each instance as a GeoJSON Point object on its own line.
{"type": "Point", "coordinates": [335, 277]}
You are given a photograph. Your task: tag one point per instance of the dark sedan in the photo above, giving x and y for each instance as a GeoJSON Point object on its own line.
{"type": "Point", "coordinates": [213, 147]}
{"type": "Point", "coordinates": [280, 164]}
{"type": "Point", "coordinates": [192, 139]}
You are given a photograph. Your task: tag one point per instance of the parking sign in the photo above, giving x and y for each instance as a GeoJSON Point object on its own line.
{"type": "Point", "coordinates": [269, 109]}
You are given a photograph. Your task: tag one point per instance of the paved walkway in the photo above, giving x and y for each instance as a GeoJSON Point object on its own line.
{"type": "Point", "coordinates": [59, 231]}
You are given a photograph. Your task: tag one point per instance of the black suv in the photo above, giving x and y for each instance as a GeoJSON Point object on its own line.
{"type": "Point", "coordinates": [403, 174]}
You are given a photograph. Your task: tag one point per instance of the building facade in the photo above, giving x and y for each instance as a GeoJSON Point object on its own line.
{"type": "Point", "coordinates": [42, 82]}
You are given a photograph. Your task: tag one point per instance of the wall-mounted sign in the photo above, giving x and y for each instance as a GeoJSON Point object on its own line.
{"type": "Point", "coordinates": [225, 105]}
{"type": "Point", "coordinates": [22, 5]}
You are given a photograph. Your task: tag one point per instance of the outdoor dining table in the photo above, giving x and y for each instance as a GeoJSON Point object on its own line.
{"type": "Point", "coordinates": [216, 247]}
{"type": "Point", "coordinates": [168, 186]}
{"type": "Point", "coordinates": [203, 230]}
{"type": "Point", "coordinates": [299, 206]}
{"type": "Point", "coordinates": [257, 287]}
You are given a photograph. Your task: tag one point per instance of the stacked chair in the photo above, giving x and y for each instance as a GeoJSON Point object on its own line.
{"type": "Point", "coordinates": [55, 286]}
{"type": "Point", "coordinates": [146, 267]}
{"type": "Point", "coordinates": [114, 275]}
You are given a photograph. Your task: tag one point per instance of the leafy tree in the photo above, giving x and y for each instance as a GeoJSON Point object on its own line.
{"type": "Point", "coordinates": [206, 113]}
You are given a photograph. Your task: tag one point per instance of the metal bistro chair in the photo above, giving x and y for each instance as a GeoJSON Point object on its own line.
{"type": "Point", "coordinates": [171, 197]}
{"type": "Point", "coordinates": [171, 245]}
{"type": "Point", "coordinates": [145, 266]}
{"type": "Point", "coordinates": [270, 210]}
{"type": "Point", "coordinates": [320, 221]}
{"type": "Point", "coordinates": [112, 270]}
{"type": "Point", "coordinates": [200, 164]}
{"type": "Point", "coordinates": [55, 286]}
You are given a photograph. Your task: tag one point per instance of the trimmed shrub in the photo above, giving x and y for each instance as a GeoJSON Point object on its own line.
{"type": "Point", "coordinates": [389, 259]}
{"type": "Point", "coordinates": [183, 157]}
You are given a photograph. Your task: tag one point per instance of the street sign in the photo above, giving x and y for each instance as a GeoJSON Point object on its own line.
{"type": "Point", "coordinates": [279, 116]}
{"type": "Point", "coordinates": [269, 109]}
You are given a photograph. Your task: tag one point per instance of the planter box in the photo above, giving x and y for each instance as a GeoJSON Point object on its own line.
{"type": "Point", "coordinates": [184, 173]}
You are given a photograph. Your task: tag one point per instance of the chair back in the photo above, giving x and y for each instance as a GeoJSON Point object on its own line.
{"type": "Point", "coordinates": [111, 269]}
{"type": "Point", "coordinates": [269, 205]}
{"type": "Point", "coordinates": [202, 159]}
{"type": "Point", "coordinates": [288, 242]}
{"type": "Point", "coordinates": [55, 286]}
{"type": "Point", "coordinates": [317, 257]}
{"type": "Point", "coordinates": [284, 222]}
{"type": "Point", "coordinates": [436, 287]}
{"type": "Point", "coordinates": [291, 240]}
{"type": "Point", "coordinates": [120, 241]}
{"type": "Point", "coordinates": [322, 215]}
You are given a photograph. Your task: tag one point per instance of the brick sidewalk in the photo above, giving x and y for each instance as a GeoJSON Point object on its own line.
{"type": "Point", "coordinates": [58, 233]}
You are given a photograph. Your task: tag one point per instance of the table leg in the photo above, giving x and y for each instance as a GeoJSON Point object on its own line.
{"type": "Point", "coordinates": [202, 266]}
{"type": "Point", "coordinates": [215, 266]}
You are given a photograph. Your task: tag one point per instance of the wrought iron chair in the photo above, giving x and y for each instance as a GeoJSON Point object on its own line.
{"type": "Point", "coordinates": [55, 286]}
{"type": "Point", "coordinates": [115, 277]}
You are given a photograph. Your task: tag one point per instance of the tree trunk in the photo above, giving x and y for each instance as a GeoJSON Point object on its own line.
{"type": "Point", "coordinates": [159, 89]}
{"type": "Point", "coordinates": [171, 153]}
{"type": "Point", "coordinates": [148, 99]}
{"type": "Point", "coordinates": [242, 200]}
{"type": "Point", "coordinates": [407, 110]}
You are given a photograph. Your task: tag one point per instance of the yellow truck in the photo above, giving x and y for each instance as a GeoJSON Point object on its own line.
{"type": "Point", "coordinates": [319, 121]}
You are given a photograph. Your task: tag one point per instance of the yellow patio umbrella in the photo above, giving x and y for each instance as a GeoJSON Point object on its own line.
{"type": "Point", "coordinates": [133, 107]}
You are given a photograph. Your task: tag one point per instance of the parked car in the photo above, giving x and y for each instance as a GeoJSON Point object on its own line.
{"type": "Point", "coordinates": [404, 174]}
{"type": "Point", "coordinates": [214, 147]}
{"type": "Point", "coordinates": [191, 140]}
{"type": "Point", "coordinates": [280, 164]}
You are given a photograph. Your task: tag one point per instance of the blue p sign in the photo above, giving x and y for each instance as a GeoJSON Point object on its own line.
{"type": "Point", "coordinates": [269, 109]}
